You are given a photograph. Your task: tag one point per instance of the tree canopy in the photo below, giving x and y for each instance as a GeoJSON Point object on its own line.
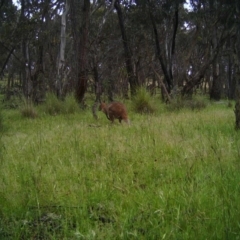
{"type": "Point", "coordinates": [115, 46]}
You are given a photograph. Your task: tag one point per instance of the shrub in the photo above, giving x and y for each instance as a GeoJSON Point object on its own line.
{"type": "Point", "coordinates": [142, 102]}
{"type": "Point", "coordinates": [71, 105]}
{"type": "Point", "coordinates": [53, 105]}
{"type": "Point", "coordinates": [197, 102]}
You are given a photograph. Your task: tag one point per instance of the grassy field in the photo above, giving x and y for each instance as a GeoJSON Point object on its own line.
{"type": "Point", "coordinates": [171, 175]}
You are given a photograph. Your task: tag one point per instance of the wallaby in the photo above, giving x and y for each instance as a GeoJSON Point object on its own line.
{"type": "Point", "coordinates": [114, 110]}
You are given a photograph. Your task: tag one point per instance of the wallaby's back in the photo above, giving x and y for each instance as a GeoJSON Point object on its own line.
{"type": "Point", "coordinates": [115, 110]}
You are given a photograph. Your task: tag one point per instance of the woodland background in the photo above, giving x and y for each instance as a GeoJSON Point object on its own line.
{"type": "Point", "coordinates": [113, 47]}
{"type": "Point", "coordinates": [171, 174]}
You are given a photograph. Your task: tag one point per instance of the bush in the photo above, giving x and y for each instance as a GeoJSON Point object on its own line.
{"type": "Point", "coordinates": [71, 105]}
{"type": "Point", "coordinates": [195, 103]}
{"type": "Point", "coordinates": [142, 102]}
{"type": "Point", "coordinates": [28, 110]}
{"type": "Point", "coordinates": [54, 106]}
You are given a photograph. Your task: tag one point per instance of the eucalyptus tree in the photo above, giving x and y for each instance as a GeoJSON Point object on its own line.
{"type": "Point", "coordinates": [31, 40]}
{"type": "Point", "coordinates": [103, 53]}
{"type": "Point", "coordinates": [164, 17]}
{"type": "Point", "coordinates": [8, 27]}
{"type": "Point", "coordinates": [61, 63]}
{"type": "Point", "coordinates": [210, 27]}
{"type": "Point", "coordinates": [5, 27]}
{"type": "Point", "coordinates": [132, 78]}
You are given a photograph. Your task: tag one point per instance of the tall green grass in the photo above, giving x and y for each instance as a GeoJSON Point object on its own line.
{"type": "Point", "coordinates": [143, 102]}
{"type": "Point", "coordinates": [166, 176]}
{"type": "Point", "coordinates": [54, 106]}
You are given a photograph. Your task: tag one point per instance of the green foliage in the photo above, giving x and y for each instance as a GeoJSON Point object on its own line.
{"type": "Point", "coordinates": [55, 106]}
{"type": "Point", "coordinates": [13, 101]}
{"type": "Point", "coordinates": [28, 110]}
{"type": "Point", "coordinates": [197, 102]}
{"type": "Point", "coordinates": [168, 176]}
{"type": "Point", "coordinates": [70, 104]}
{"type": "Point", "coordinates": [142, 102]}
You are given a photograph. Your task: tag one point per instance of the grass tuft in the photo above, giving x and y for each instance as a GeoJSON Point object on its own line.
{"type": "Point", "coordinates": [70, 104]}
{"type": "Point", "coordinates": [142, 102]}
{"type": "Point", "coordinates": [55, 106]}
{"type": "Point", "coordinates": [28, 110]}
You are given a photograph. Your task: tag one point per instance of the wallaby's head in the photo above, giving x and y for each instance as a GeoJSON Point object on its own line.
{"type": "Point", "coordinates": [102, 106]}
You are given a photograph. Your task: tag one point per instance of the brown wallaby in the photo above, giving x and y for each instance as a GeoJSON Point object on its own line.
{"type": "Point", "coordinates": [114, 110]}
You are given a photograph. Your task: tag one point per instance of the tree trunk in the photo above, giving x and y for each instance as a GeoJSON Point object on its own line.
{"type": "Point", "coordinates": [25, 56]}
{"type": "Point", "coordinates": [237, 48]}
{"type": "Point", "coordinates": [215, 93]}
{"type": "Point", "coordinates": [6, 61]}
{"type": "Point", "coordinates": [80, 48]}
{"type": "Point", "coordinates": [237, 107]}
{"type": "Point", "coordinates": [83, 53]}
{"type": "Point", "coordinates": [98, 91]}
{"type": "Point", "coordinates": [37, 78]}
{"type": "Point", "coordinates": [61, 59]}
{"type": "Point", "coordinates": [132, 78]}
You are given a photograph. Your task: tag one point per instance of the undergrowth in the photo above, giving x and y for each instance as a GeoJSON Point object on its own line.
{"type": "Point", "coordinates": [142, 102]}
{"type": "Point", "coordinates": [54, 106]}
{"type": "Point", "coordinates": [196, 102]}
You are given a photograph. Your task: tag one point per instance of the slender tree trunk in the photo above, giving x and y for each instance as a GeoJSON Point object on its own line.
{"type": "Point", "coordinates": [230, 79]}
{"type": "Point", "coordinates": [61, 59]}
{"type": "Point", "coordinates": [98, 91]}
{"type": "Point", "coordinates": [163, 63]}
{"type": "Point", "coordinates": [6, 61]}
{"type": "Point", "coordinates": [25, 62]}
{"type": "Point", "coordinates": [37, 78]}
{"type": "Point", "coordinates": [132, 78]}
{"type": "Point", "coordinates": [215, 93]}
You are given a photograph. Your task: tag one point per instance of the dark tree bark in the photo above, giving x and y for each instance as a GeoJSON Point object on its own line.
{"type": "Point", "coordinates": [237, 108]}
{"type": "Point", "coordinates": [237, 49]}
{"type": "Point", "coordinates": [133, 81]}
{"type": "Point", "coordinates": [215, 92]}
{"type": "Point", "coordinates": [37, 78]}
{"type": "Point", "coordinates": [83, 53]}
{"type": "Point", "coordinates": [230, 73]}
{"type": "Point", "coordinates": [6, 61]}
{"type": "Point", "coordinates": [98, 91]}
